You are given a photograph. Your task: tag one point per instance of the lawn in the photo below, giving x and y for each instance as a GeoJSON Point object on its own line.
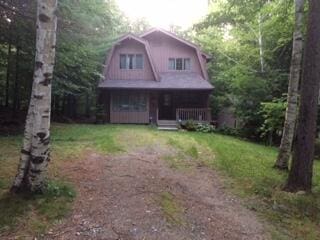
{"type": "Point", "coordinates": [246, 169]}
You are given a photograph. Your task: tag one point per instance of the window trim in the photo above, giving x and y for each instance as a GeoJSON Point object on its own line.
{"type": "Point", "coordinates": [183, 64]}
{"type": "Point", "coordinates": [131, 59]}
{"type": "Point", "coordinates": [129, 102]}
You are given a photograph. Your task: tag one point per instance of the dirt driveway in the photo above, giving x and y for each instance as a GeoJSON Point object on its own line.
{"type": "Point", "coordinates": [137, 195]}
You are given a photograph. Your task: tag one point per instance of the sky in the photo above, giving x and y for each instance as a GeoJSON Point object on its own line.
{"type": "Point", "coordinates": [163, 13]}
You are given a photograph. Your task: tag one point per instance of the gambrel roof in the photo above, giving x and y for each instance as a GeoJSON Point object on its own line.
{"type": "Point", "coordinates": [138, 39]}
{"type": "Point", "coordinates": [174, 36]}
{"type": "Point", "coordinates": [168, 80]}
{"type": "Point", "coordinates": [188, 43]}
{"type": "Point", "coordinates": [174, 81]}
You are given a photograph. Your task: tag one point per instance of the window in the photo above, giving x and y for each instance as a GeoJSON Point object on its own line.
{"type": "Point", "coordinates": [179, 64]}
{"type": "Point", "coordinates": [139, 61]}
{"type": "Point", "coordinates": [123, 63]}
{"type": "Point", "coordinates": [172, 64]}
{"type": "Point", "coordinates": [132, 102]}
{"type": "Point", "coordinates": [131, 61]}
{"type": "Point", "coordinates": [187, 64]}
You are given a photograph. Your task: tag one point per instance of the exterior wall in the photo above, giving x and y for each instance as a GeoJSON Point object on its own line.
{"type": "Point", "coordinates": [129, 47]}
{"type": "Point", "coordinates": [129, 117]}
{"type": "Point", "coordinates": [163, 47]}
{"type": "Point", "coordinates": [153, 111]}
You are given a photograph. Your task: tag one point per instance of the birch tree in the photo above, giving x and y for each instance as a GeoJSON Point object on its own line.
{"type": "Point", "coordinates": [300, 176]}
{"type": "Point", "coordinates": [292, 99]}
{"type": "Point", "coordinates": [34, 157]}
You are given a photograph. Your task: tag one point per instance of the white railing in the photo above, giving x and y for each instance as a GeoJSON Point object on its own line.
{"type": "Point", "coordinates": [195, 114]}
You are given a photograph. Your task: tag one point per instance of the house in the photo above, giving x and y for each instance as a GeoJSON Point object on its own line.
{"type": "Point", "coordinates": [156, 77]}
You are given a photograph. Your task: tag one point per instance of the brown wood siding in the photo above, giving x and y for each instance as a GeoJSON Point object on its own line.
{"type": "Point", "coordinates": [163, 47]}
{"type": "Point", "coordinates": [129, 117]}
{"type": "Point", "coordinates": [129, 47]}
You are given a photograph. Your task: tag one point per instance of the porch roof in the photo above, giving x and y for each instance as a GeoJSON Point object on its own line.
{"type": "Point", "coordinates": [174, 81]}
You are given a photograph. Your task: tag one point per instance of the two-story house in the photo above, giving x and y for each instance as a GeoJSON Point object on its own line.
{"type": "Point", "coordinates": [155, 78]}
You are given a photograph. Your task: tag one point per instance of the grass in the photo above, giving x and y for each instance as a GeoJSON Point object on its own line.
{"type": "Point", "coordinates": [245, 167]}
{"type": "Point", "coordinates": [35, 214]}
{"type": "Point", "coordinates": [249, 172]}
{"type": "Point", "coordinates": [36, 211]}
{"type": "Point", "coordinates": [171, 209]}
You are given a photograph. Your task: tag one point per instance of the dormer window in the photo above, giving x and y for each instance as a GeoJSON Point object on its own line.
{"type": "Point", "coordinates": [131, 61]}
{"type": "Point", "coordinates": [179, 64]}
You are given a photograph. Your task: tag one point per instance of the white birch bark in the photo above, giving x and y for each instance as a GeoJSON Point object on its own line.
{"type": "Point", "coordinates": [260, 44]}
{"type": "Point", "coordinates": [292, 99]}
{"type": "Point", "coordinates": [34, 158]}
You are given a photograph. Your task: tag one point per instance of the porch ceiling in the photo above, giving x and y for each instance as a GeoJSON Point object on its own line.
{"type": "Point", "coordinates": [174, 81]}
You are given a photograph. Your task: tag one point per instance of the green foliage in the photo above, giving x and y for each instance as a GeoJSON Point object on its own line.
{"type": "Point", "coordinates": [204, 127]}
{"type": "Point", "coordinates": [229, 131]}
{"type": "Point", "coordinates": [58, 189]}
{"type": "Point", "coordinates": [245, 167]}
{"type": "Point", "coordinates": [273, 114]}
{"type": "Point", "coordinates": [248, 167]}
{"type": "Point", "coordinates": [230, 34]}
{"type": "Point", "coordinates": [171, 209]}
{"type": "Point", "coordinates": [46, 208]}
{"type": "Point", "coordinates": [190, 125]}
{"type": "Point", "coordinates": [85, 32]}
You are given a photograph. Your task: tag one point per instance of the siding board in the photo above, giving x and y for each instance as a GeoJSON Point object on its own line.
{"type": "Point", "coordinates": [129, 117]}
{"type": "Point", "coordinates": [129, 47]}
{"type": "Point", "coordinates": [163, 47]}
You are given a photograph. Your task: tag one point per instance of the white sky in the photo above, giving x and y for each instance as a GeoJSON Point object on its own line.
{"type": "Point", "coordinates": [163, 13]}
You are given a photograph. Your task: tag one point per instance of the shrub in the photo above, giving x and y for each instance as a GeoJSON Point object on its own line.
{"type": "Point", "coordinates": [204, 127]}
{"type": "Point", "coordinates": [273, 114]}
{"type": "Point", "coordinates": [190, 125]}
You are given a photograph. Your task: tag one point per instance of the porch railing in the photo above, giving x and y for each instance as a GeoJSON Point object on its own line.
{"type": "Point", "coordinates": [195, 114]}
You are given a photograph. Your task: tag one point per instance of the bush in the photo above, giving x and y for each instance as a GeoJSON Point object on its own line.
{"type": "Point", "coordinates": [230, 131]}
{"type": "Point", "coordinates": [190, 125]}
{"type": "Point", "coordinates": [204, 127]}
{"type": "Point", "coordinates": [273, 114]}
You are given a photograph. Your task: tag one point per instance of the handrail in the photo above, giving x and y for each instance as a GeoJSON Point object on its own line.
{"type": "Point", "coordinates": [195, 114]}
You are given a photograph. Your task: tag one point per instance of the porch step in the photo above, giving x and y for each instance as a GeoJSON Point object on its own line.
{"type": "Point", "coordinates": [168, 128]}
{"type": "Point", "coordinates": [167, 122]}
{"type": "Point", "coordinates": [169, 125]}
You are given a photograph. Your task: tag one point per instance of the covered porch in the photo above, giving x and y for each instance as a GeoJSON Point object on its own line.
{"type": "Point", "coordinates": [156, 107]}
{"type": "Point", "coordinates": [181, 106]}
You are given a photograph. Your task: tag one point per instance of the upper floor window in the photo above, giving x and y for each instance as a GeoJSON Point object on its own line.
{"type": "Point", "coordinates": [131, 61]}
{"type": "Point", "coordinates": [179, 64]}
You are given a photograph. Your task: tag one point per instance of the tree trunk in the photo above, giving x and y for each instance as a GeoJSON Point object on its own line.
{"type": "Point", "coordinates": [34, 158]}
{"type": "Point", "coordinates": [292, 99]}
{"type": "Point", "coordinates": [8, 73]}
{"type": "Point", "coordinates": [260, 45]}
{"type": "Point", "coordinates": [87, 105]}
{"type": "Point", "coordinates": [300, 176]}
{"type": "Point", "coordinates": [16, 83]}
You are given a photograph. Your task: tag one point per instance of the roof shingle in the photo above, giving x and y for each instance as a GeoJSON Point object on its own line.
{"type": "Point", "coordinates": [174, 81]}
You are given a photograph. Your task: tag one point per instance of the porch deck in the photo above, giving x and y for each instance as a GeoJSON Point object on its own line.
{"type": "Point", "coordinates": [199, 115]}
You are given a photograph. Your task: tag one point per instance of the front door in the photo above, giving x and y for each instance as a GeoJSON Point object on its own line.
{"type": "Point", "coordinates": [166, 109]}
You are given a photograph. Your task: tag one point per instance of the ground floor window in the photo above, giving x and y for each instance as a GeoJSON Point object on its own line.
{"type": "Point", "coordinates": [129, 102]}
